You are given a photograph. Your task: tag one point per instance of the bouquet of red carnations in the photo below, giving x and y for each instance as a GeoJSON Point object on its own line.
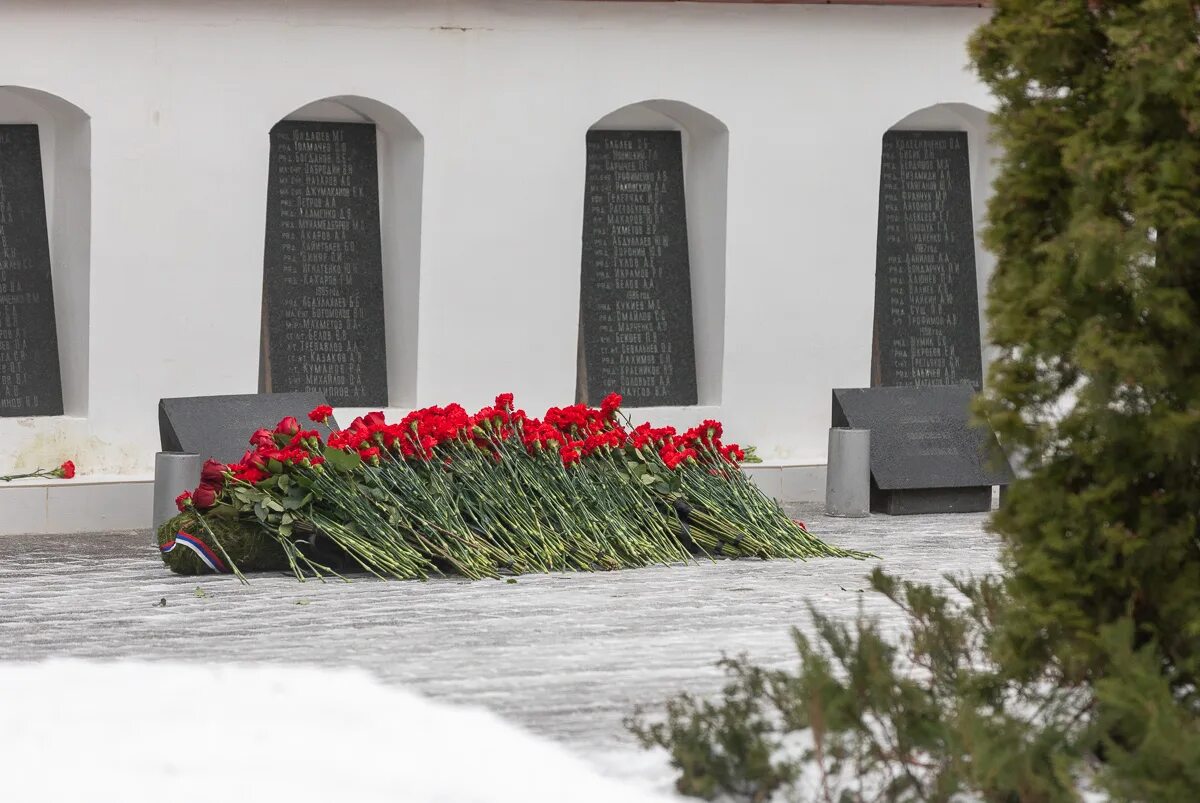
{"type": "Point", "coordinates": [445, 492]}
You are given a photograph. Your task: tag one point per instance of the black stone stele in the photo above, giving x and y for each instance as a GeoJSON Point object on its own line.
{"type": "Point", "coordinates": [30, 382]}
{"type": "Point", "coordinates": [926, 304]}
{"type": "Point", "coordinates": [636, 289]}
{"type": "Point", "coordinates": [220, 426]}
{"type": "Point", "coordinates": [927, 456]}
{"type": "Point", "coordinates": [323, 326]}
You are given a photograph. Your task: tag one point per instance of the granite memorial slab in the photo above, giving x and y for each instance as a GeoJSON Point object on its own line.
{"type": "Point", "coordinates": [927, 455]}
{"type": "Point", "coordinates": [636, 290]}
{"type": "Point", "coordinates": [220, 426]}
{"type": "Point", "coordinates": [323, 327]}
{"type": "Point", "coordinates": [926, 329]}
{"type": "Point", "coordinates": [30, 381]}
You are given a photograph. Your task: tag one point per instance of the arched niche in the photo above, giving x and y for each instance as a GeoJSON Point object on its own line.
{"type": "Point", "coordinates": [975, 122]}
{"type": "Point", "coordinates": [400, 153]}
{"type": "Point", "coordinates": [705, 146]}
{"type": "Point", "coordinates": [64, 133]}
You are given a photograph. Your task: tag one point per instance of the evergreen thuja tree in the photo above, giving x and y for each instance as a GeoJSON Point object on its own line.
{"type": "Point", "coordinates": [1095, 305]}
{"type": "Point", "coordinates": [1079, 668]}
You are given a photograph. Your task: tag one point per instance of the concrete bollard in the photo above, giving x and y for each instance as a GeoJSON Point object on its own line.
{"type": "Point", "coordinates": [848, 475]}
{"type": "Point", "coordinates": [174, 473]}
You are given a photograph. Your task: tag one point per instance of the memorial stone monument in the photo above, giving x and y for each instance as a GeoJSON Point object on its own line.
{"type": "Point", "coordinates": [636, 295]}
{"type": "Point", "coordinates": [323, 327]}
{"type": "Point", "coordinates": [927, 455]}
{"type": "Point", "coordinates": [30, 382]}
{"type": "Point", "coordinates": [220, 426]}
{"type": "Point", "coordinates": [926, 304]}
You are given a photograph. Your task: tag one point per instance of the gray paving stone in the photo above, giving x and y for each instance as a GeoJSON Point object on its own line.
{"type": "Point", "coordinates": [566, 655]}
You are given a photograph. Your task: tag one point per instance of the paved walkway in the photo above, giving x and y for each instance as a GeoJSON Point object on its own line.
{"type": "Point", "coordinates": [566, 655]}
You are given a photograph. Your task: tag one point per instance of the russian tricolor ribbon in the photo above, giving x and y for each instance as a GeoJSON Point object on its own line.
{"type": "Point", "coordinates": [202, 550]}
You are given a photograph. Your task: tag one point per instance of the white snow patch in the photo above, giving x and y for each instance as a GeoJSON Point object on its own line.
{"type": "Point", "coordinates": [137, 732]}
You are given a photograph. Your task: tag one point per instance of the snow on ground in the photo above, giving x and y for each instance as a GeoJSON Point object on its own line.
{"type": "Point", "coordinates": [73, 730]}
{"type": "Point", "coordinates": [565, 656]}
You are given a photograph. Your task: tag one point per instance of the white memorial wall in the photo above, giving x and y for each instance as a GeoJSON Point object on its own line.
{"type": "Point", "coordinates": [154, 122]}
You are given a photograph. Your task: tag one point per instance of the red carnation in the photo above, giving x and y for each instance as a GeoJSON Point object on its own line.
{"type": "Point", "coordinates": [288, 426]}
{"type": "Point", "coordinates": [320, 414]}
{"type": "Point", "coordinates": [251, 475]}
{"type": "Point", "coordinates": [611, 403]}
{"type": "Point", "coordinates": [66, 471]}
{"type": "Point", "coordinates": [504, 401]}
{"type": "Point", "coordinates": [183, 501]}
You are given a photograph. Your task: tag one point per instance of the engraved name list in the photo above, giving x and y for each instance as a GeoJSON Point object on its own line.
{"type": "Point", "coordinates": [30, 383]}
{"type": "Point", "coordinates": [323, 275]}
{"type": "Point", "coordinates": [926, 307]}
{"type": "Point", "coordinates": [636, 299]}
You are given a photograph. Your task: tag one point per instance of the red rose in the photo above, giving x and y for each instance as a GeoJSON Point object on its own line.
{"type": "Point", "coordinates": [213, 473]}
{"type": "Point", "coordinates": [204, 497]}
{"type": "Point", "coordinates": [320, 414]}
{"type": "Point", "coordinates": [66, 471]}
{"type": "Point", "coordinates": [263, 439]}
{"type": "Point", "coordinates": [288, 426]}
{"type": "Point", "coordinates": [183, 501]}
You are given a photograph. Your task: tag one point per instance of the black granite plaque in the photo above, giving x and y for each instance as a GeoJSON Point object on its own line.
{"type": "Point", "coordinates": [220, 426]}
{"type": "Point", "coordinates": [926, 307]}
{"type": "Point", "coordinates": [30, 383]}
{"type": "Point", "coordinates": [636, 290]}
{"type": "Point", "coordinates": [927, 455]}
{"type": "Point", "coordinates": [322, 270]}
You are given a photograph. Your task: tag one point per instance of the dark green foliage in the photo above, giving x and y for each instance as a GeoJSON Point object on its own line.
{"type": "Point", "coordinates": [1096, 308]}
{"type": "Point", "coordinates": [727, 746]}
{"type": "Point", "coordinates": [866, 717]}
{"type": "Point", "coordinates": [1080, 668]}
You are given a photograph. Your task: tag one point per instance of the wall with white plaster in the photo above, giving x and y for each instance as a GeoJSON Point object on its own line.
{"type": "Point", "coordinates": [488, 105]}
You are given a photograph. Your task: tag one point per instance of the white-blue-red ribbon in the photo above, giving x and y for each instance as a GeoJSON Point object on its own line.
{"type": "Point", "coordinates": [202, 550]}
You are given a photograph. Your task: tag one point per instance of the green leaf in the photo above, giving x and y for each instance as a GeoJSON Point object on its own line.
{"type": "Point", "coordinates": [342, 461]}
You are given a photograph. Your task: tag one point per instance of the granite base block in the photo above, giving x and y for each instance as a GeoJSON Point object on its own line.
{"type": "Point", "coordinates": [932, 500]}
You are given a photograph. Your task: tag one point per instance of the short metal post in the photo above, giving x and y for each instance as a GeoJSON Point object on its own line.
{"type": "Point", "coordinates": [174, 473]}
{"type": "Point", "coordinates": [848, 474]}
